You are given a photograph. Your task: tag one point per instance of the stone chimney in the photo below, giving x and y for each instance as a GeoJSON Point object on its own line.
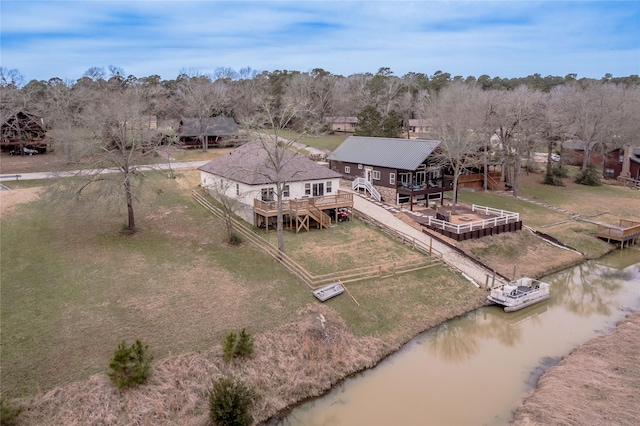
{"type": "Point", "coordinates": [626, 162]}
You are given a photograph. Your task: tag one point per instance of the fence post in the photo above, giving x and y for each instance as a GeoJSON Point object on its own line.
{"type": "Point", "coordinates": [430, 246]}
{"type": "Point", "coordinates": [379, 271]}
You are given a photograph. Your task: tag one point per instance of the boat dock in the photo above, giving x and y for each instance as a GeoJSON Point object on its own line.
{"type": "Point", "coordinates": [626, 233]}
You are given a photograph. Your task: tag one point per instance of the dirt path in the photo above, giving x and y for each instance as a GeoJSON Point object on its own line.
{"type": "Point", "coordinates": [10, 198]}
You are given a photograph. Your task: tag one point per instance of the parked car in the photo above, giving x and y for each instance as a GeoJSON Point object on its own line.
{"type": "Point", "coordinates": [555, 157]}
{"type": "Point", "coordinates": [29, 151]}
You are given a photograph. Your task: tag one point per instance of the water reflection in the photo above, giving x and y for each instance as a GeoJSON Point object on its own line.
{"type": "Point", "coordinates": [488, 359]}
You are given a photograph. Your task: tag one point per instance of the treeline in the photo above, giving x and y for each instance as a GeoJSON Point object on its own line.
{"type": "Point", "coordinates": [230, 93]}
{"type": "Point", "coordinates": [517, 115]}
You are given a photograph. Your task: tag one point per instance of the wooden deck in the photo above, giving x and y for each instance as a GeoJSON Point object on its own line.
{"type": "Point", "coordinates": [472, 223]}
{"type": "Point", "coordinates": [628, 231]}
{"type": "Point", "coordinates": [303, 212]}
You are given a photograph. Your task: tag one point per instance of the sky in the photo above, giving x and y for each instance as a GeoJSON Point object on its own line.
{"type": "Point", "coordinates": [47, 39]}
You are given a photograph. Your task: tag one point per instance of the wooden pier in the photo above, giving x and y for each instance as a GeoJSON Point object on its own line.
{"type": "Point", "coordinates": [626, 233]}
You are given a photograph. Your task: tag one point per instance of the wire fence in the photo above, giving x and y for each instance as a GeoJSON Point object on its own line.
{"type": "Point", "coordinates": [373, 271]}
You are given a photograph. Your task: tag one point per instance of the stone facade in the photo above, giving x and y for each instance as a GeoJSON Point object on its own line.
{"type": "Point", "coordinates": [387, 194]}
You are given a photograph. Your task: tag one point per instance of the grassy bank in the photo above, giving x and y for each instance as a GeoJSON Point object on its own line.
{"type": "Point", "coordinates": [73, 287]}
{"type": "Point", "coordinates": [550, 210]}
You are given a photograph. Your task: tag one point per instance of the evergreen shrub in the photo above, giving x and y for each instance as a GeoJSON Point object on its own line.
{"type": "Point", "coordinates": [130, 365]}
{"type": "Point", "coordinates": [230, 401]}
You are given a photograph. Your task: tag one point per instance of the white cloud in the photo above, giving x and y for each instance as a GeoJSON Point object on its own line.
{"type": "Point", "coordinates": [509, 39]}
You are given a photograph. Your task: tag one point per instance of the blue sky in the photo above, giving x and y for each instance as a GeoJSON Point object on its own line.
{"type": "Point", "coordinates": [45, 39]}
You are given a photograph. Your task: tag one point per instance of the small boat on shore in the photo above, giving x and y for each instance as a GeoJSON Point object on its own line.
{"type": "Point", "coordinates": [328, 291]}
{"type": "Point", "coordinates": [519, 294]}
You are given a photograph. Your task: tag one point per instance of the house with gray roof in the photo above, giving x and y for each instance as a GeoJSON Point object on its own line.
{"type": "Point", "coordinates": [311, 191]}
{"type": "Point", "coordinates": [400, 171]}
{"type": "Point", "coordinates": [213, 129]}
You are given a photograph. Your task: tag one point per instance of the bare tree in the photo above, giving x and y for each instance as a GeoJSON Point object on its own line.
{"type": "Point", "coordinates": [552, 129]}
{"type": "Point", "coordinates": [589, 110]}
{"type": "Point", "coordinates": [247, 94]}
{"type": "Point", "coordinates": [458, 115]}
{"type": "Point", "coordinates": [221, 189]}
{"type": "Point", "coordinates": [119, 143]}
{"type": "Point", "coordinates": [201, 99]}
{"type": "Point", "coordinates": [514, 115]}
{"type": "Point", "coordinates": [275, 116]}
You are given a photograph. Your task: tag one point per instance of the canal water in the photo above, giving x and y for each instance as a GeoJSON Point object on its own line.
{"type": "Point", "coordinates": [475, 370]}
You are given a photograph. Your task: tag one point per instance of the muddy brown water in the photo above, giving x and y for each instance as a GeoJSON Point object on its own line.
{"type": "Point", "coordinates": [475, 370]}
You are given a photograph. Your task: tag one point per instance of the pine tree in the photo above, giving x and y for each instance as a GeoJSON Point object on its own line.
{"type": "Point", "coordinates": [130, 366]}
{"type": "Point", "coordinates": [228, 347]}
{"type": "Point", "coordinates": [245, 344]}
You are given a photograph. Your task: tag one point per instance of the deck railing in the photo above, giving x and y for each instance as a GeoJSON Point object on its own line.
{"type": "Point", "coordinates": [300, 205]}
{"type": "Point", "coordinates": [359, 183]}
{"type": "Point", "coordinates": [627, 229]}
{"type": "Point", "coordinates": [503, 217]}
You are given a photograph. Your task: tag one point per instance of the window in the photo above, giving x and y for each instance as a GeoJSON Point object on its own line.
{"type": "Point", "coordinates": [307, 189]}
{"type": "Point", "coordinates": [392, 178]}
{"type": "Point", "coordinates": [621, 159]}
{"type": "Point", "coordinates": [404, 178]}
{"type": "Point", "coordinates": [421, 178]}
{"type": "Point", "coordinates": [347, 169]}
{"type": "Point", "coordinates": [285, 191]}
{"type": "Point", "coordinates": [359, 166]}
{"type": "Point", "coordinates": [608, 172]}
{"type": "Point", "coordinates": [376, 175]}
{"type": "Point", "coordinates": [318, 189]}
{"type": "Point", "coordinates": [237, 189]}
{"type": "Point", "coordinates": [267, 194]}
{"type": "Point", "coordinates": [328, 187]}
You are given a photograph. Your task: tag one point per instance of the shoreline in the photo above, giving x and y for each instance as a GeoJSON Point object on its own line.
{"type": "Point", "coordinates": [283, 413]}
{"type": "Point", "coordinates": [598, 382]}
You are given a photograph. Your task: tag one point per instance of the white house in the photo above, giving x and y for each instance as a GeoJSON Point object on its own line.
{"type": "Point", "coordinates": [248, 175]}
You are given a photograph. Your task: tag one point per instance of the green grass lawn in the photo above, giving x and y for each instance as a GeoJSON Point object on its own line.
{"type": "Point", "coordinates": [73, 287]}
{"type": "Point", "coordinates": [605, 203]}
{"type": "Point", "coordinates": [326, 142]}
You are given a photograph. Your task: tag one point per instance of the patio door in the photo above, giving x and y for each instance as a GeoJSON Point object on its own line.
{"type": "Point", "coordinates": [318, 189]}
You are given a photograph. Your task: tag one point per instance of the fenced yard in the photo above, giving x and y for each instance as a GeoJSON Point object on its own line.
{"type": "Point", "coordinates": [343, 254]}
{"type": "Point", "coordinates": [73, 287]}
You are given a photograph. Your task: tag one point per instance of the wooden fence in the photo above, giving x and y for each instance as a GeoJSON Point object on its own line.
{"type": "Point", "coordinates": [382, 270]}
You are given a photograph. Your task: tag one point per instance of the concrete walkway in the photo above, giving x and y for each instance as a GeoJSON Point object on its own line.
{"type": "Point", "coordinates": [386, 214]}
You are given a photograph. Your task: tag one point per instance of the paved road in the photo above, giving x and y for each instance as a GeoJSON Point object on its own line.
{"type": "Point", "coordinates": [49, 175]}
{"type": "Point", "coordinates": [385, 215]}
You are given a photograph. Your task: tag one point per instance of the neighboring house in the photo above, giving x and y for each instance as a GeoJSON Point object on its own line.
{"type": "Point", "coordinates": [399, 170]}
{"type": "Point", "coordinates": [623, 162]}
{"type": "Point", "coordinates": [311, 192]}
{"type": "Point", "coordinates": [573, 152]}
{"type": "Point", "coordinates": [23, 130]}
{"type": "Point", "coordinates": [150, 122]}
{"type": "Point", "coordinates": [418, 128]}
{"type": "Point", "coordinates": [342, 124]}
{"type": "Point", "coordinates": [214, 129]}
